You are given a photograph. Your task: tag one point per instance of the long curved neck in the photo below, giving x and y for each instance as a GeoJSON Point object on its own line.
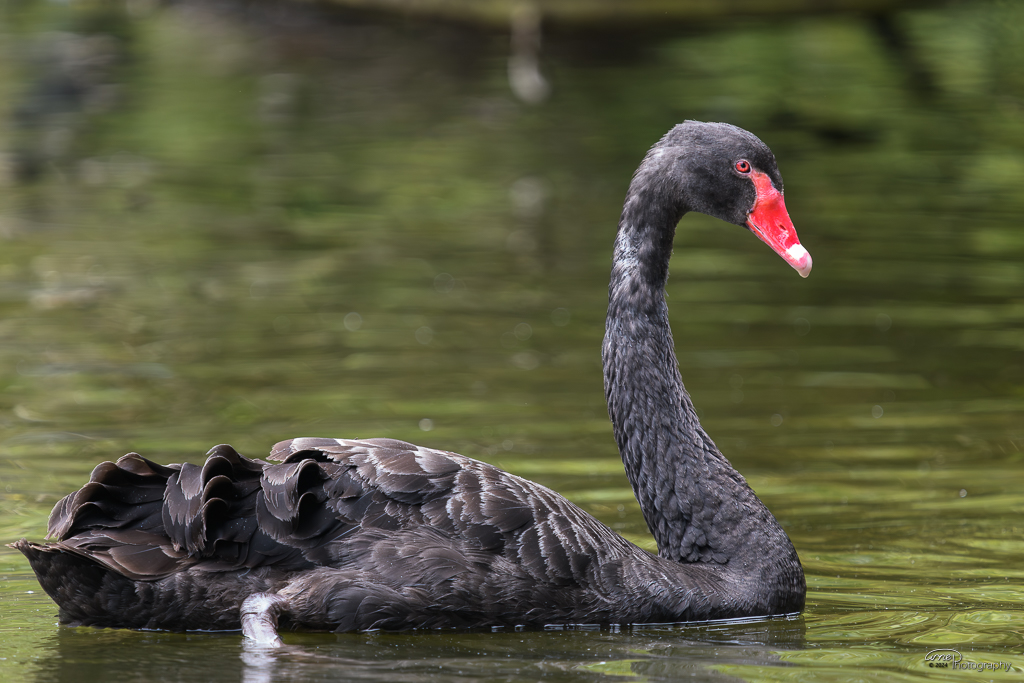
{"type": "Point", "coordinates": [697, 506]}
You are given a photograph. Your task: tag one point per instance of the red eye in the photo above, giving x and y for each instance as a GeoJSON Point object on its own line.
{"type": "Point", "coordinates": [743, 166]}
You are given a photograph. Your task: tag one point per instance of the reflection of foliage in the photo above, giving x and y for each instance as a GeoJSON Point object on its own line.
{"type": "Point", "coordinates": [191, 257]}
{"type": "Point", "coordinates": [72, 70]}
{"type": "Point", "coordinates": [262, 183]}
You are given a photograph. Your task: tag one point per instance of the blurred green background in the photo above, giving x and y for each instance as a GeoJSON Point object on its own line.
{"type": "Point", "coordinates": [244, 222]}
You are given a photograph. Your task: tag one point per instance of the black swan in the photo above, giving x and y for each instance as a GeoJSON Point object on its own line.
{"type": "Point", "coordinates": [340, 534]}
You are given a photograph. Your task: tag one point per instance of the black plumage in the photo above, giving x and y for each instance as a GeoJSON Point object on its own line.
{"type": "Point", "coordinates": [341, 534]}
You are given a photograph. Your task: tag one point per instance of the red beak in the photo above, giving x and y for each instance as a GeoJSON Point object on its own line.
{"type": "Point", "coordinates": [770, 221]}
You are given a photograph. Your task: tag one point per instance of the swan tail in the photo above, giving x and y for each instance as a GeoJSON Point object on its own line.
{"type": "Point", "coordinates": [81, 587]}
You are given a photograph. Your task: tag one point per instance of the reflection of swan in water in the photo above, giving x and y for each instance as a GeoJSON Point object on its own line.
{"type": "Point", "coordinates": [702, 651]}
{"type": "Point", "coordinates": [357, 534]}
{"type": "Point", "coordinates": [524, 76]}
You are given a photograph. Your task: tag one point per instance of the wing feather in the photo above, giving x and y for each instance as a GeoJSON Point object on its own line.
{"type": "Point", "coordinates": [402, 509]}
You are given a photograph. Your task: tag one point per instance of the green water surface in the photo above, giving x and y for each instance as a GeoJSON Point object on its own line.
{"type": "Point", "coordinates": [242, 224]}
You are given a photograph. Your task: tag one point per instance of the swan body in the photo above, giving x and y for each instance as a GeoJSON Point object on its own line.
{"type": "Point", "coordinates": [341, 535]}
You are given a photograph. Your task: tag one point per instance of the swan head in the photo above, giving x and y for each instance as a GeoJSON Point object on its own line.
{"type": "Point", "coordinates": [724, 171]}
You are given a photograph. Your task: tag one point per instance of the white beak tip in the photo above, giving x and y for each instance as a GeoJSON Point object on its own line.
{"type": "Point", "coordinates": [800, 259]}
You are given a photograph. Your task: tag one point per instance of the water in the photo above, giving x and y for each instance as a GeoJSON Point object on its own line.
{"type": "Point", "coordinates": [247, 225]}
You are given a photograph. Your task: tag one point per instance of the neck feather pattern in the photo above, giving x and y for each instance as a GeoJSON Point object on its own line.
{"type": "Point", "coordinates": [699, 509]}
